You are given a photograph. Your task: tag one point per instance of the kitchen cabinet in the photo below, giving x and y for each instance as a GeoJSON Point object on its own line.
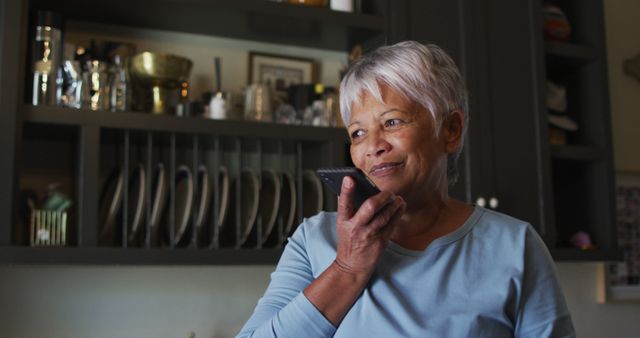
{"type": "Point", "coordinates": [500, 49]}
{"type": "Point", "coordinates": [580, 171]}
{"type": "Point", "coordinates": [500, 165]}
{"type": "Point", "coordinates": [78, 147]}
{"type": "Point", "coordinates": [498, 45]}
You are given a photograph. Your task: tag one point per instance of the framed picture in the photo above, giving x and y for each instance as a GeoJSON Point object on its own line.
{"type": "Point", "coordinates": [280, 71]}
{"type": "Point", "coordinates": [622, 279]}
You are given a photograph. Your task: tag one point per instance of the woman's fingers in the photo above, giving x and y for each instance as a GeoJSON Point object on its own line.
{"type": "Point", "coordinates": [372, 206]}
{"type": "Point", "coordinates": [394, 220]}
{"type": "Point", "coordinates": [385, 216]}
{"type": "Point", "coordinates": [346, 207]}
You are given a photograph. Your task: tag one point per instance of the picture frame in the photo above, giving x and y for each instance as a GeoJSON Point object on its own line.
{"type": "Point", "coordinates": [281, 71]}
{"type": "Point", "coordinates": [621, 280]}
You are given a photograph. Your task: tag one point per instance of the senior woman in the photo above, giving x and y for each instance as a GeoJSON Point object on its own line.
{"type": "Point", "coordinates": [411, 261]}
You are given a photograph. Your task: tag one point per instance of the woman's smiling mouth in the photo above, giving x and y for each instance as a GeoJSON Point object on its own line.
{"type": "Point", "coordinates": [384, 168]}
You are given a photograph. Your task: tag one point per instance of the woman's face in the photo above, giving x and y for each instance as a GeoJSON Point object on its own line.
{"type": "Point", "coordinates": [394, 143]}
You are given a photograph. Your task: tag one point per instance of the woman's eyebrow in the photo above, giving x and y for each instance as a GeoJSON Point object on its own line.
{"type": "Point", "coordinates": [391, 111]}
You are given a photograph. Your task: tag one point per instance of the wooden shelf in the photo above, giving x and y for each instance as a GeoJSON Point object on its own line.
{"type": "Point", "coordinates": [577, 153]}
{"type": "Point", "coordinates": [569, 50]}
{"type": "Point", "coordinates": [258, 20]}
{"type": "Point", "coordinates": [170, 123]}
{"type": "Point", "coordinates": [136, 256]}
{"type": "Point", "coordinates": [595, 255]}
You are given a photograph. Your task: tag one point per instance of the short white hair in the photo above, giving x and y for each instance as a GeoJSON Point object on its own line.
{"type": "Point", "coordinates": [424, 74]}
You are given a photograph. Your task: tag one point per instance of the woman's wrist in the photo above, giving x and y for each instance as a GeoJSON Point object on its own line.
{"type": "Point", "coordinates": [335, 290]}
{"type": "Point", "coordinates": [357, 276]}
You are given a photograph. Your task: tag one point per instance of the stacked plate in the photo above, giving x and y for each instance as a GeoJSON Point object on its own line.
{"type": "Point", "coordinates": [255, 209]}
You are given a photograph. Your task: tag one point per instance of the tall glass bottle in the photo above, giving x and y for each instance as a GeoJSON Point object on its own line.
{"type": "Point", "coordinates": [46, 60]}
{"type": "Point", "coordinates": [119, 87]}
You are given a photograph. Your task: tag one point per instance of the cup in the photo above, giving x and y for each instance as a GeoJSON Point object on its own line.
{"type": "Point", "coordinates": [258, 103]}
{"type": "Point", "coordinates": [95, 85]}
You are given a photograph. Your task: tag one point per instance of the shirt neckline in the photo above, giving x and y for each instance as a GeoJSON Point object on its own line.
{"type": "Point", "coordinates": [441, 241]}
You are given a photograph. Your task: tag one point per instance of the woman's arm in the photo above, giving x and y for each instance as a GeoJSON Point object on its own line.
{"type": "Point", "coordinates": [542, 311]}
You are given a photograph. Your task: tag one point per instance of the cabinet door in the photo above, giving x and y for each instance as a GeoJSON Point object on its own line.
{"type": "Point", "coordinates": [521, 160]}
{"type": "Point", "coordinates": [491, 42]}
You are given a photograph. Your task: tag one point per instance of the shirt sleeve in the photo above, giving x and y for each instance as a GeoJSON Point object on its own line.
{"type": "Point", "coordinates": [284, 310]}
{"type": "Point", "coordinates": [543, 311]}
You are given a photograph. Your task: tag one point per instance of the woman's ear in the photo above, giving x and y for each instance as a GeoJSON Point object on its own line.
{"type": "Point", "coordinates": [452, 130]}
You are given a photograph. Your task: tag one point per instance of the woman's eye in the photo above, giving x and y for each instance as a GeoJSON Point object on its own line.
{"type": "Point", "coordinates": [356, 134]}
{"type": "Point", "coordinates": [392, 123]}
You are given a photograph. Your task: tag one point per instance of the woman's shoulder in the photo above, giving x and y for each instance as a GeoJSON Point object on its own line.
{"type": "Point", "coordinates": [317, 229]}
{"type": "Point", "coordinates": [489, 216]}
{"type": "Point", "coordinates": [496, 226]}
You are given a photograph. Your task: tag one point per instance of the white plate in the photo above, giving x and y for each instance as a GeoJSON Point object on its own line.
{"type": "Point", "coordinates": [249, 203]}
{"type": "Point", "coordinates": [184, 202]}
{"type": "Point", "coordinates": [110, 204]}
{"type": "Point", "coordinates": [136, 203]}
{"type": "Point", "coordinates": [288, 203]}
{"type": "Point", "coordinates": [269, 202]}
{"type": "Point", "coordinates": [159, 196]}
{"type": "Point", "coordinates": [203, 201]}
{"type": "Point", "coordinates": [312, 193]}
{"type": "Point", "coordinates": [223, 199]}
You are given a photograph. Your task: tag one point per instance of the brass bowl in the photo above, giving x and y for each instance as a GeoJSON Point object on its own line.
{"type": "Point", "coordinates": [159, 68]}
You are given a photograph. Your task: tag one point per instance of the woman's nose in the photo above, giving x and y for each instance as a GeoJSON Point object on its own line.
{"type": "Point", "coordinates": [378, 144]}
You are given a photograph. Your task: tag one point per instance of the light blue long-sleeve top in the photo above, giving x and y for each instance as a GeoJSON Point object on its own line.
{"type": "Point", "coordinates": [491, 277]}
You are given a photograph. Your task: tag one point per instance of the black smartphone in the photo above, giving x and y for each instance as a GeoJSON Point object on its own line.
{"type": "Point", "coordinates": [332, 177]}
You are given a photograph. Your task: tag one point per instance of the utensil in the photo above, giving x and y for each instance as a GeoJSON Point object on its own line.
{"type": "Point", "coordinates": [160, 69]}
{"type": "Point", "coordinates": [157, 80]}
{"type": "Point", "coordinates": [48, 228]}
{"type": "Point", "coordinates": [216, 61]}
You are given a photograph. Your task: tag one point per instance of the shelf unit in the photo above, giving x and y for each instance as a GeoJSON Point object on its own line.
{"type": "Point", "coordinates": [80, 147]}
{"type": "Point", "coordinates": [581, 172]}
{"type": "Point", "coordinates": [257, 20]}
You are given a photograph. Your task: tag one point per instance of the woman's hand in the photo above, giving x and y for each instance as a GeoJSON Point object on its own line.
{"type": "Point", "coordinates": [363, 234]}
{"type": "Point", "coordinates": [362, 237]}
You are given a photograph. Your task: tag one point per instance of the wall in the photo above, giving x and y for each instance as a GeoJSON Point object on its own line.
{"type": "Point", "coordinates": [623, 30]}
{"type": "Point", "coordinates": [214, 301]}
{"type": "Point", "coordinates": [97, 302]}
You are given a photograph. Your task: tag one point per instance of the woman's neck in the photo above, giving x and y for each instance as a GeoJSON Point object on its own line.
{"type": "Point", "coordinates": [435, 218]}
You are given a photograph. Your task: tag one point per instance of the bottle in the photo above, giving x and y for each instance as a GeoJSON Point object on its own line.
{"type": "Point", "coordinates": [119, 87]}
{"type": "Point", "coordinates": [47, 59]}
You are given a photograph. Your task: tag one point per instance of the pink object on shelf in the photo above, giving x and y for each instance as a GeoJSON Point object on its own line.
{"type": "Point", "coordinates": [581, 240]}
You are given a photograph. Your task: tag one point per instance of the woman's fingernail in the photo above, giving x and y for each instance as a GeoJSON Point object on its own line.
{"type": "Point", "coordinates": [346, 182]}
